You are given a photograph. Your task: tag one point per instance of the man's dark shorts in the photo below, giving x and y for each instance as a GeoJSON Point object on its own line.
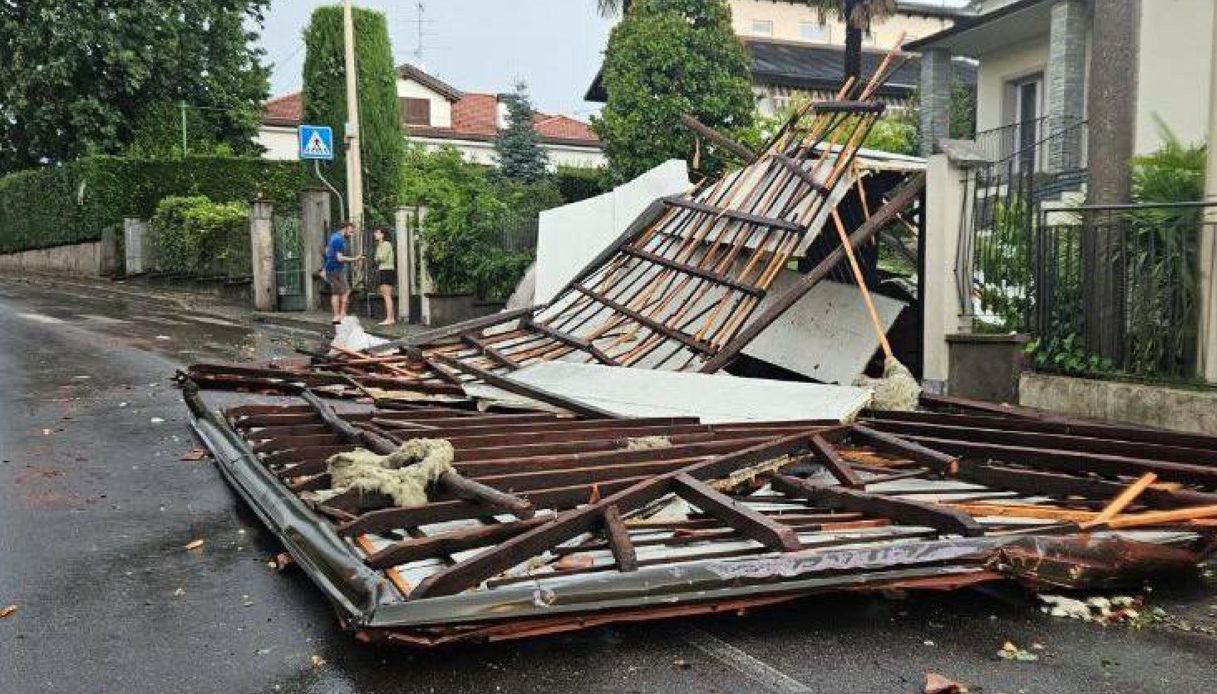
{"type": "Point", "coordinates": [338, 281]}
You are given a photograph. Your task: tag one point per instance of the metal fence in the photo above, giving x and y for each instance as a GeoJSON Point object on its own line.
{"type": "Point", "coordinates": [518, 235]}
{"type": "Point", "coordinates": [1115, 288]}
{"type": "Point", "coordinates": [1002, 200]}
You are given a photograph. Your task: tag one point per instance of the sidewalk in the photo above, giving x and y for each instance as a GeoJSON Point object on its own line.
{"type": "Point", "coordinates": [202, 303]}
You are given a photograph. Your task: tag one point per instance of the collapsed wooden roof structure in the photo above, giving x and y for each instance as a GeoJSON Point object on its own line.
{"type": "Point", "coordinates": [549, 522]}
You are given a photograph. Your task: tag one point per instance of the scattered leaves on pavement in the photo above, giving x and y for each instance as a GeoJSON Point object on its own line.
{"type": "Point", "coordinates": [317, 661]}
{"type": "Point", "coordinates": [938, 684]}
{"type": "Point", "coordinates": [194, 544]}
{"type": "Point", "coordinates": [8, 611]}
{"type": "Point", "coordinates": [1011, 652]}
{"type": "Point", "coordinates": [195, 454]}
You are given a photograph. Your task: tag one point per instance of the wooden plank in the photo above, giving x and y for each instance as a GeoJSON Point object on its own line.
{"type": "Point", "coordinates": [526, 390]}
{"type": "Point", "coordinates": [1179, 515]}
{"type": "Point", "coordinates": [840, 469]}
{"type": "Point", "coordinates": [650, 323]}
{"type": "Point", "coordinates": [942, 519]}
{"type": "Point", "coordinates": [455, 329]}
{"type": "Point", "coordinates": [891, 443]}
{"type": "Point", "coordinates": [848, 106]}
{"type": "Point", "coordinates": [739, 516]}
{"type": "Point", "coordinates": [419, 548]}
{"type": "Point", "coordinates": [909, 194]}
{"type": "Point", "coordinates": [571, 341]}
{"type": "Point", "coordinates": [736, 215]}
{"type": "Point", "coordinates": [474, 570]}
{"type": "Point", "coordinates": [1074, 461]}
{"type": "Point", "coordinates": [490, 351]}
{"type": "Point", "coordinates": [619, 540]}
{"type": "Point", "coordinates": [742, 152]}
{"type": "Point", "coordinates": [451, 481]}
{"type": "Point", "coordinates": [1122, 500]}
{"type": "Point", "coordinates": [716, 277]}
{"type": "Point", "coordinates": [803, 174]}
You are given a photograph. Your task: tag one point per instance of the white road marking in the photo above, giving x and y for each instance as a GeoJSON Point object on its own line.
{"type": "Point", "coordinates": [211, 321]}
{"type": "Point", "coordinates": [104, 320]}
{"type": "Point", "coordinates": [752, 668]}
{"type": "Point", "coordinates": [40, 317]}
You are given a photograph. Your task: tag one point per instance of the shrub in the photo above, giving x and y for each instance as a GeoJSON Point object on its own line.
{"type": "Point", "coordinates": [195, 236]}
{"type": "Point", "coordinates": [75, 202]}
{"type": "Point", "coordinates": [470, 214]}
{"type": "Point", "coordinates": [575, 184]}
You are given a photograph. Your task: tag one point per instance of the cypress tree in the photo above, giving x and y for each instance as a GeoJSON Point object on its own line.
{"type": "Point", "coordinates": [324, 102]}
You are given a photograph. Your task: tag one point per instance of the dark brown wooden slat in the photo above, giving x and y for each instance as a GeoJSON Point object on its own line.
{"type": "Point", "coordinates": [849, 106]}
{"type": "Point", "coordinates": [736, 215]}
{"type": "Point", "coordinates": [716, 277]}
{"type": "Point", "coordinates": [419, 548]}
{"type": "Point", "coordinates": [451, 481]}
{"type": "Point", "coordinates": [490, 351]}
{"type": "Point", "coordinates": [739, 516]}
{"type": "Point", "coordinates": [890, 443]}
{"type": "Point", "coordinates": [474, 570]}
{"type": "Point", "coordinates": [840, 469]}
{"type": "Point", "coordinates": [572, 341]}
{"type": "Point", "coordinates": [739, 150]}
{"type": "Point", "coordinates": [524, 389]}
{"type": "Point", "coordinates": [903, 511]}
{"type": "Point", "coordinates": [804, 175]}
{"type": "Point", "coordinates": [650, 323]}
{"type": "Point", "coordinates": [619, 540]}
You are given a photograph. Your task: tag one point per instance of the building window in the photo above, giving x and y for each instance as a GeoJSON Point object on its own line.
{"type": "Point", "coordinates": [815, 31]}
{"type": "Point", "coordinates": [762, 27]}
{"type": "Point", "coordinates": [415, 111]}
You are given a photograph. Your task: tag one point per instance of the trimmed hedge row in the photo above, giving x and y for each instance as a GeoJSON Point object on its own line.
{"type": "Point", "coordinates": [75, 202]}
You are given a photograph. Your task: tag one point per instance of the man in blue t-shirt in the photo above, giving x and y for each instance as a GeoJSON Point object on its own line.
{"type": "Point", "coordinates": [335, 270]}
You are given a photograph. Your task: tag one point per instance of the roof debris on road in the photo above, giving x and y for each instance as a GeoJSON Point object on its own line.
{"type": "Point", "coordinates": [545, 514]}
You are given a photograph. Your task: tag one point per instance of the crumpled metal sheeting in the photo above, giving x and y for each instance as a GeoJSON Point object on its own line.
{"type": "Point", "coordinates": [1090, 562]}
{"type": "Point", "coordinates": [722, 554]}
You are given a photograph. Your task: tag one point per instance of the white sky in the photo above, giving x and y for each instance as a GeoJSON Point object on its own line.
{"type": "Point", "coordinates": [475, 45]}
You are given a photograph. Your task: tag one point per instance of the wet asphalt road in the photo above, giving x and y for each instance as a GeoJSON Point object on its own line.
{"type": "Point", "coordinates": [96, 507]}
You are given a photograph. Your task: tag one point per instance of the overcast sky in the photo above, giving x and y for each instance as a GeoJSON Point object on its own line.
{"type": "Point", "coordinates": [475, 45]}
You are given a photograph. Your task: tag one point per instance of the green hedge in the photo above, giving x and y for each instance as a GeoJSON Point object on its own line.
{"type": "Point", "coordinates": [577, 184]}
{"type": "Point", "coordinates": [195, 236]}
{"type": "Point", "coordinates": [73, 203]}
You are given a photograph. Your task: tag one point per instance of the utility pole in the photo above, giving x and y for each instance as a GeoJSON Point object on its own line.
{"type": "Point", "coordinates": [353, 159]}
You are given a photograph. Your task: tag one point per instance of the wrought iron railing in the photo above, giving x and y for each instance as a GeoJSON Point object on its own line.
{"type": "Point", "coordinates": [1001, 202]}
{"type": "Point", "coordinates": [1114, 289]}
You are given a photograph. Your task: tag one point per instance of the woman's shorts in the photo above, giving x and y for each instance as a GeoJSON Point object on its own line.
{"type": "Point", "coordinates": [388, 277]}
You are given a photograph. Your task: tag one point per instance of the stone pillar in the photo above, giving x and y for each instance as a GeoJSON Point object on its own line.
{"type": "Point", "coordinates": [1065, 83]}
{"type": "Point", "coordinates": [1206, 275]}
{"type": "Point", "coordinates": [947, 200]}
{"type": "Point", "coordinates": [426, 286]}
{"type": "Point", "coordinates": [314, 231]}
{"type": "Point", "coordinates": [108, 261]}
{"type": "Point", "coordinates": [135, 242]}
{"type": "Point", "coordinates": [935, 107]}
{"type": "Point", "coordinates": [262, 252]}
{"type": "Point", "coordinates": [405, 260]}
{"type": "Point", "coordinates": [1113, 65]}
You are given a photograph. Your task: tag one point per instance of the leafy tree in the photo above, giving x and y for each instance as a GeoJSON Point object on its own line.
{"type": "Point", "coordinates": [664, 59]}
{"type": "Point", "coordinates": [324, 99]}
{"type": "Point", "coordinates": [518, 146]}
{"type": "Point", "coordinates": [77, 76]}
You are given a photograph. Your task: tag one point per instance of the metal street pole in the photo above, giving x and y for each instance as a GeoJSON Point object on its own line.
{"type": "Point", "coordinates": [353, 160]}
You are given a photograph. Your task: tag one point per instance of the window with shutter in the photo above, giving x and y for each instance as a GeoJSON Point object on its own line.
{"type": "Point", "coordinates": [415, 111]}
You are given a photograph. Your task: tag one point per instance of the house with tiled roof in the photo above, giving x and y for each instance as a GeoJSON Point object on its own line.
{"type": "Point", "coordinates": [434, 113]}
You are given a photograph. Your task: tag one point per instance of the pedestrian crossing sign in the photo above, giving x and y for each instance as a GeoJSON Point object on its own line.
{"type": "Point", "coordinates": [316, 142]}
